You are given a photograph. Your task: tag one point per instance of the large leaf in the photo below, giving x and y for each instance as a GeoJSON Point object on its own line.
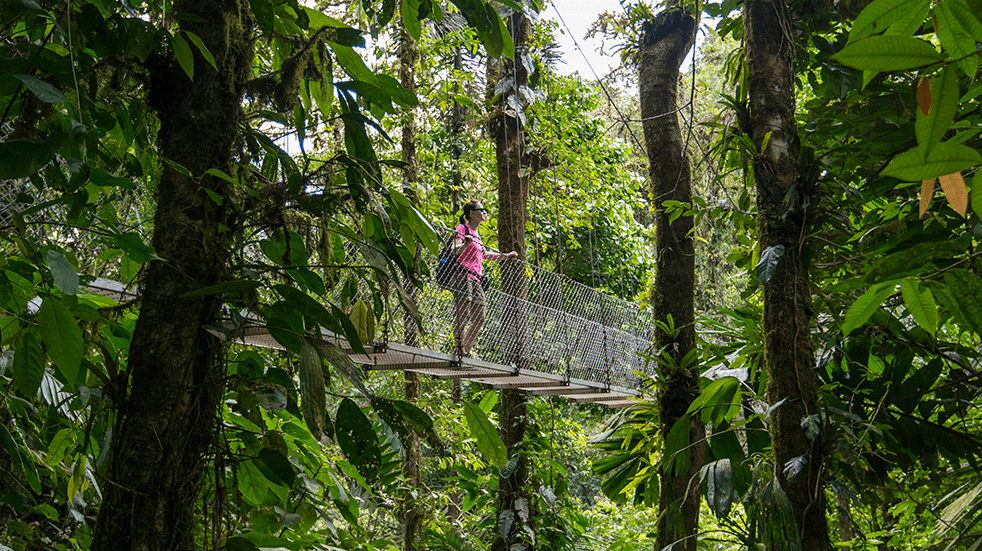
{"type": "Point", "coordinates": [976, 195]}
{"type": "Point", "coordinates": [920, 304]}
{"type": "Point", "coordinates": [677, 451]}
{"type": "Point", "coordinates": [22, 158]}
{"type": "Point", "coordinates": [483, 18]}
{"type": "Point", "coordinates": [484, 433]}
{"type": "Point", "coordinates": [410, 18]}
{"type": "Point", "coordinates": [945, 158]}
{"type": "Point", "coordinates": [313, 397]}
{"type": "Point", "coordinates": [880, 15]}
{"type": "Point", "coordinates": [42, 90]}
{"type": "Point", "coordinates": [943, 103]}
{"type": "Point", "coordinates": [888, 53]}
{"type": "Point", "coordinates": [182, 51]}
{"type": "Point", "coordinates": [275, 467]}
{"type": "Point", "coordinates": [955, 191]}
{"type": "Point", "coordinates": [964, 294]}
{"type": "Point", "coordinates": [719, 487]}
{"type": "Point", "coordinates": [865, 305]}
{"type": "Point", "coordinates": [955, 39]}
{"type": "Point", "coordinates": [28, 365]}
{"type": "Point", "coordinates": [768, 263]}
{"type": "Point", "coordinates": [357, 439]}
{"type": "Point", "coordinates": [62, 337]}
{"type": "Point", "coordinates": [63, 272]}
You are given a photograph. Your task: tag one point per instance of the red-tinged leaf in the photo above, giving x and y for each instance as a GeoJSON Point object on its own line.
{"type": "Point", "coordinates": [955, 192]}
{"type": "Point", "coordinates": [924, 95]}
{"type": "Point", "coordinates": [927, 191]}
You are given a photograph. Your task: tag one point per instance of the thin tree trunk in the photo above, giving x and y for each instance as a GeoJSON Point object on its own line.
{"type": "Point", "coordinates": [665, 42]}
{"type": "Point", "coordinates": [166, 424]}
{"type": "Point", "coordinates": [788, 354]}
{"type": "Point", "coordinates": [411, 467]}
{"type": "Point", "coordinates": [513, 499]}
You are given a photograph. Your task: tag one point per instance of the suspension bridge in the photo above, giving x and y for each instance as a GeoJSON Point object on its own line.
{"type": "Point", "coordinates": [544, 334]}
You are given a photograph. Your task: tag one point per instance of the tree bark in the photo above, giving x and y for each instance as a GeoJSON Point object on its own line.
{"type": "Point", "coordinates": [665, 42]}
{"type": "Point", "coordinates": [411, 467]}
{"type": "Point", "coordinates": [509, 138]}
{"type": "Point", "coordinates": [788, 355]}
{"type": "Point", "coordinates": [166, 425]}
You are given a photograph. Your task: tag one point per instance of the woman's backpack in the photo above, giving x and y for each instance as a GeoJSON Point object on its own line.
{"type": "Point", "coordinates": [448, 266]}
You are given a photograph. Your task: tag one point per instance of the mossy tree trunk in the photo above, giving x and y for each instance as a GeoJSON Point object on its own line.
{"type": "Point", "coordinates": [665, 42]}
{"type": "Point", "coordinates": [411, 467]}
{"type": "Point", "coordinates": [788, 354]}
{"type": "Point", "coordinates": [509, 138]}
{"type": "Point", "coordinates": [167, 422]}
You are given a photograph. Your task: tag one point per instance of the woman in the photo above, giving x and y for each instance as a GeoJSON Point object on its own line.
{"type": "Point", "coordinates": [468, 295]}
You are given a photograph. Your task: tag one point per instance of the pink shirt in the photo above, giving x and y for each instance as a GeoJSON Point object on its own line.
{"type": "Point", "coordinates": [473, 254]}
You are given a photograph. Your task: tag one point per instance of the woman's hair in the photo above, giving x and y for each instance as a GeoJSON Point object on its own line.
{"type": "Point", "coordinates": [468, 208]}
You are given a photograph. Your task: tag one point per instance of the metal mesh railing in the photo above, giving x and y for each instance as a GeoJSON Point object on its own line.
{"type": "Point", "coordinates": [560, 326]}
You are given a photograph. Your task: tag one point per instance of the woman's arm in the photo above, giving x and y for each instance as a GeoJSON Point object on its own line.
{"type": "Point", "coordinates": [491, 255]}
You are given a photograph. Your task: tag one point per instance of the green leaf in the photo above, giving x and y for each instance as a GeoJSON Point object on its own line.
{"type": "Point", "coordinates": [967, 17]}
{"type": "Point", "coordinates": [313, 398]}
{"type": "Point", "coordinates": [183, 54]}
{"type": "Point", "coordinates": [421, 422]}
{"type": "Point", "coordinates": [879, 15]}
{"type": "Point", "coordinates": [484, 433]}
{"type": "Point", "coordinates": [888, 53]}
{"type": "Point", "coordinates": [28, 365]}
{"type": "Point", "coordinates": [63, 272]}
{"type": "Point", "coordinates": [955, 40]}
{"type": "Point", "coordinates": [719, 402]}
{"type": "Point", "coordinates": [196, 40]}
{"type": "Point", "coordinates": [677, 451]}
{"type": "Point", "coordinates": [264, 10]}
{"type": "Point", "coordinates": [410, 18]}
{"type": "Point", "coordinates": [945, 158]}
{"type": "Point", "coordinates": [134, 247]}
{"type": "Point", "coordinates": [977, 195]}
{"type": "Point", "coordinates": [22, 158]}
{"type": "Point", "coordinates": [719, 487]}
{"type": "Point", "coordinates": [483, 18]}
{"type": "Point", "coordinates": [920, 304]}
{"type": "Point", "coordinates": [353, 64]}
{"type": "Point", "coordinates": [944, 103]}
{"type": "Point", "coordinates": [364, 321]}
{"type": "Point", "coordinates": [62, 337]}
{"type": "Point", "coordinates": [275, 467]}
{"type": "Point", "coordinates": [865, 305]}
{"type": "Point", "coordinates": [44, 91]}
{"type": "Point", "coordinates": [965, 299]}
{"type": "Point", "coordinates": [238, 543]}
{"type": "Point", "coordinates": [768, 263]}
{"type": "Point", "coordinates": [357, 439]}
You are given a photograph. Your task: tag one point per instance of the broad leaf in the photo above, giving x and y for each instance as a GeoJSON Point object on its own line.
{"type": "Point", "coordinates": [28, 365]}
{"type": "Point", "coordinates": [62, 337]}
{"type": "Point", "coordinates": [677, 450]}
{"type": "Point", "coordinates": [888, 53]}
{"type": "Point", "coordinates": [945, 158]}
{"type": "Point", "coordinates": [768, 263]}
{"type": "Point", "coordinates": [955, 191]}
{"type": "Point", "coordinates": [955, 39]}
{"type": "Point", "coordinates": [44, 91]}
{"type": "Point", "coordinates": [880, 15]}
{"type": "Point", "coordinates": [196, 40]}
{"type": "Point", "coordinates": [410, 18]}
{"type": "Point", "coordinates": [357, 439]}
{"type": "Point", "coordinates": [977, 195]}
{"type": "Point", "coordinates": [63, 272]}
{"type": "Point", "coordinates": [965, 299]}
{"type": "Point", "coordinates": [943, 103]}
{"type": "Point", "coordinates": [865, 305]}
{"type": "Point", "coordinates": [920, 304]}
{"type": "Point", "coordinates": [183, 54]}
{"type": "Point", "coordinates": [484, 433]}
{"type": "Point", "coordinates": [313, 398]}
{"type": "Point", "coordinates": [927, 193]}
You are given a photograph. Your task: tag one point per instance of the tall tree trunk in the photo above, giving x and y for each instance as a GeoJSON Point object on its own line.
{"type": "Point", "coordinates": [665, 42]}
{"type": "Point", "coordinates": [456, 145]}
{"type": "Point", "coordinates": [509, 140]}
{"type": "Point", "coordinates": [167, 422]}
{"type": "Point", "coordinates": [408, 57]}
{"type": "Point", "coordinates": [788, 354]}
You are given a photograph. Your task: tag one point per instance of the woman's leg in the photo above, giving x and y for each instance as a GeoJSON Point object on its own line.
{"type": "Point", "coordinates": [461, 313]}
{"type": "Point", "coordinates": [478, 312]}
